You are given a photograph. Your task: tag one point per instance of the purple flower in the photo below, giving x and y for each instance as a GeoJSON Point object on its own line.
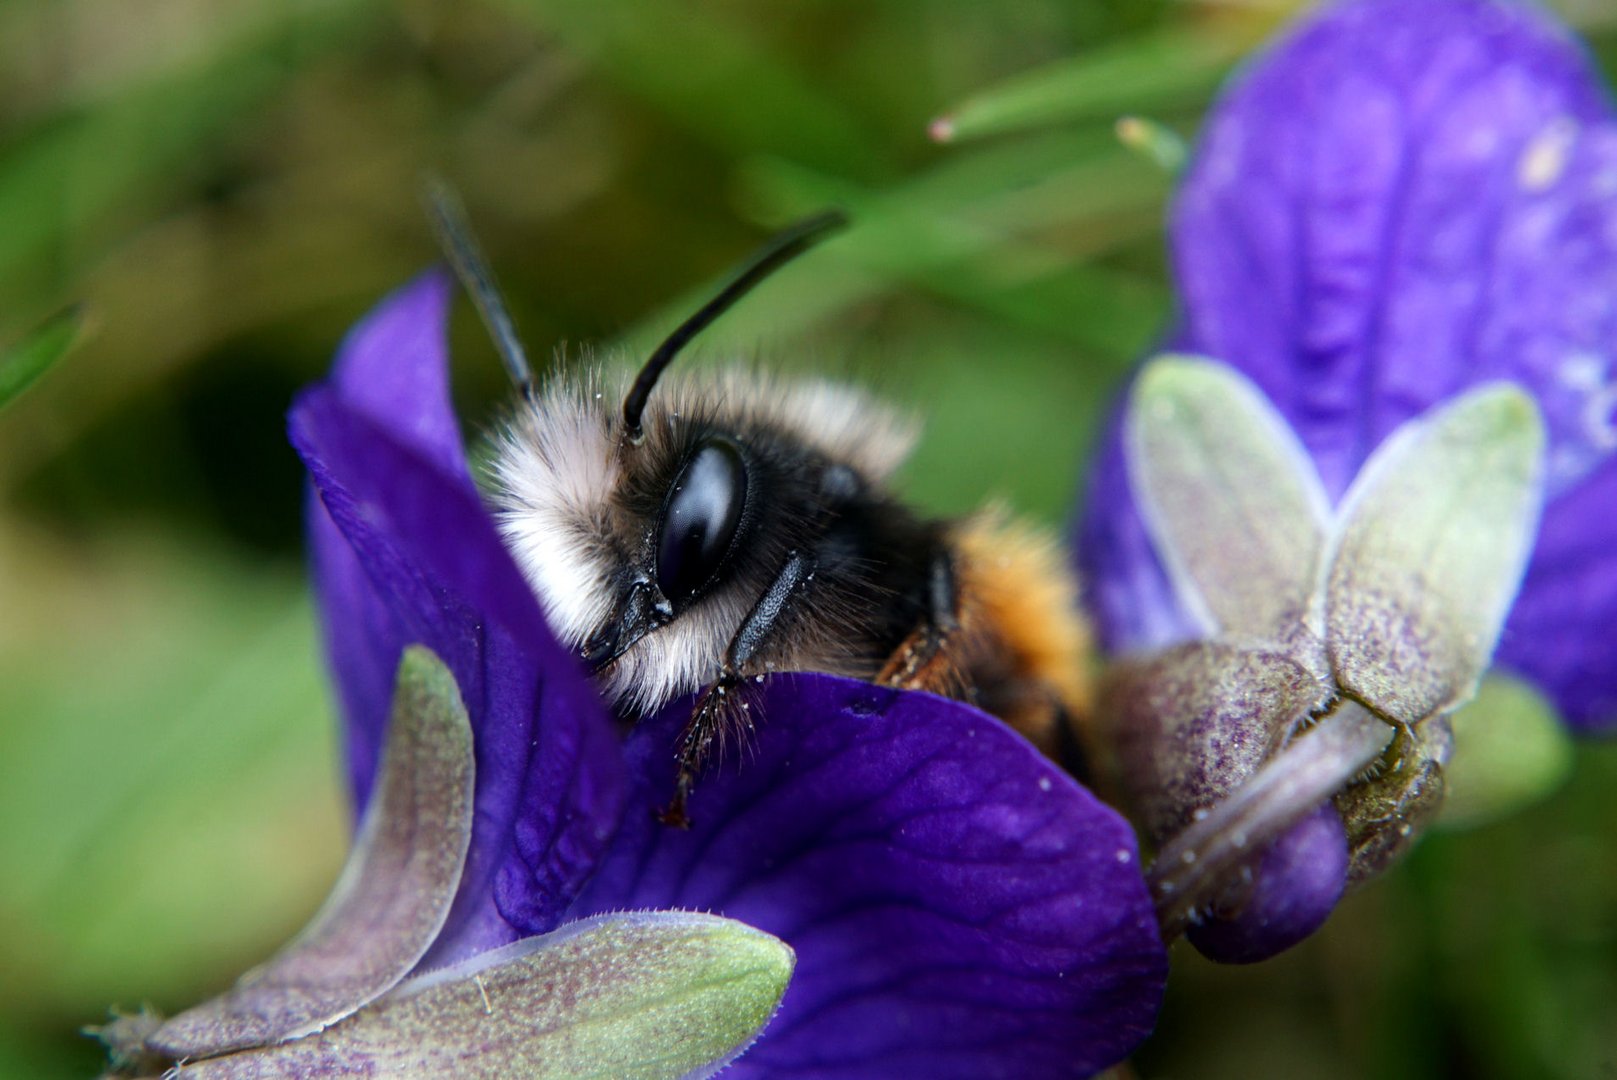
{"type": "Point", "coordinates": [1400, 202]}
{"type": "Point", "coordinates": [1403, 199]}
{"type": "Point", "coordinates": [957, 905]}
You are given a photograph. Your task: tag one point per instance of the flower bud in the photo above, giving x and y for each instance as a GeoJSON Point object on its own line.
{"type": "Point", "coordinates": [1285, 896]}
{"type": "Point", "coordinates": [1383, 612]}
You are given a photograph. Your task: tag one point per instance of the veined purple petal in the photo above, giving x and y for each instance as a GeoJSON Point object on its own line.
{"type": "Point", "coordinates": [1404, 199]}
{"type": "Point", "coordinates": [394, 368]}
{"type": "Point", "coordinates": [409, 549]}
{"type": "Point", "coordinates": [1398, 203]}
{"type": "Point", "coordinates": [363, 640]}
{"type": "Point", "coordinates": [959, 906]}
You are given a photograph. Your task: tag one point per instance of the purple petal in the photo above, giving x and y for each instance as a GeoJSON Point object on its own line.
{"type": "Point", "coordinates": [423, 564]}
{"type": "Point", "coordinates": [1125, 585]}
{"type": "Point", "coordinates": [959, 907]}
{"type": "Point", "coordinates": [393, 367]}
{"type": "Point", "coordinates": [1562, 633]}
{"type": "Point", "coordinates": [1295, 886]}
{"type": "Point", "coordinates": [1364, 231]}
{"type": "Point", "coordinates": [363, 643]}
{"type": "Point", "coordinates": [1404, 199]}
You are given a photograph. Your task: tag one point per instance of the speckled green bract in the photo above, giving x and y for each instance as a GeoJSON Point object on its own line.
{"type": "Point", "coordinates": [1230, 492]}
{"type": "Point", "coordinates": [392, 897]}
{"type": "Point", "coordinates": [636, 996]}
{"type": "Point", "coordinates": [1435, 535]}
{"type": "Point", "coordinates": [1193, 723]}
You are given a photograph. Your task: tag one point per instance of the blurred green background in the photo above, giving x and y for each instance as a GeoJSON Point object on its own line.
{"type": "Point", "coordinates": [229, 184]}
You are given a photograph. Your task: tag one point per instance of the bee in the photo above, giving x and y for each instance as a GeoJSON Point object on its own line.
{"type": "Point", "coordinates": [688, 532]}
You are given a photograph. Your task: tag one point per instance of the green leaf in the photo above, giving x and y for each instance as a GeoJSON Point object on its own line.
{"type": "Point", "coordinates": [23, 363]}
{"type": "Point", "coordinates": [76, 166]}
{"type": "Point", "coordinates": [710, 75]}
{"type": "Point", "coordinates": [1230, 497]}
{"type": "Point", "coordinates": [1510, 751]}
{"type": "Point", "coordinates": [1154, 71]}
{"type": "Point", "coordinates": [1432, 540]}
{"type": "Point", "coordinates": [968, 254]}
{"type": "Point", "coordinates": [638, 996]}
{"type": "Point", "coordinates": [176, 816]}
{"type": "Point", "coordinates": [392, 897]}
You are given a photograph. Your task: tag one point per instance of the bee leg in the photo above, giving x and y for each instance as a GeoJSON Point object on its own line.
{"type": "Point", "coordinates": [920, 662]}
{"type": "Point", "coordinates": [696, 743]}
{"type": "Point", "coordinates": [713, 709]}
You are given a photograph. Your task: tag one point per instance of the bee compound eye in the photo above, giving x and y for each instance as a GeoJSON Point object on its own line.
{"type": "Point", "coordinates": [700, 519]}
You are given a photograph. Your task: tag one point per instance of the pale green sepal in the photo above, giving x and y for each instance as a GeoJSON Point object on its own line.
{"type": "Point", "coordinates": [1510, 750]}
{"type": "Point", "coordinates": [22, 364]}
{"type": "Point", "coordinates": [638, 996]}
{"type": "Point", "coordinates": [1230, 497]}
{"type": "Point", "coordinates": [392, 897]}
{"type": "Point", "coordinates": [1431, 543]}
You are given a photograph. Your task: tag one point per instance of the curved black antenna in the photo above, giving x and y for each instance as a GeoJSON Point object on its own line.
{"type": "Point", "coordinates": [460, 247]}
{"type": "Point", "coordinates": [780, 250]}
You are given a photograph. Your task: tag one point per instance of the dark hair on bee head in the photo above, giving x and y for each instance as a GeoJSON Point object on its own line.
{"type": "Point", "coordinates": [780, 250]}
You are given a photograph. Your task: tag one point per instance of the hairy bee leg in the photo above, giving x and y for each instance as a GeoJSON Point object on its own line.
{"type": "Point", "coordinates": [909, 667]}
{"type": "Point", "coordinates": [696, 744]}
{"type": "Point", "coordinates": [766, 617]}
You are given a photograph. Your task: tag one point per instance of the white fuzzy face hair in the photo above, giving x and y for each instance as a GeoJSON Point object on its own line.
{"type": "Point", "coordinates": [581, 509]}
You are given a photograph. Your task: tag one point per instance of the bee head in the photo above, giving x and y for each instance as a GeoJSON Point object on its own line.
{"type": "Point", "coordinates": [647, 528]}
{"type": "Point", "coordinates": [648, 549]}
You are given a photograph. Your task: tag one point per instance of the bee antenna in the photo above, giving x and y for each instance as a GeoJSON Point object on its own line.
{"type": "Point", "coordinates": [780, 250]}
{"type": "Point", "coordinates": [460, 247]}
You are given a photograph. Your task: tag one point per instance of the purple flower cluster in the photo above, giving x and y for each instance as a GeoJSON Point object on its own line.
{"type": "Point", "coordinates": [1404, 199]}
{"type": "Point", "coordinates": [958, 906]}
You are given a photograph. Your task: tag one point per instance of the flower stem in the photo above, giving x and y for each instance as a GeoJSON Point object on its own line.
{"type": "Point", "coordinates": [1193, 867]}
